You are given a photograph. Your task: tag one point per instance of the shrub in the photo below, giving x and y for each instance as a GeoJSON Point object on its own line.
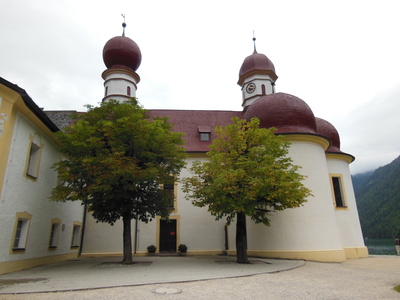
{"type": "Point", "coordinates": [152, 249]}
{"type": "Point", "coordinates": [182, 248]}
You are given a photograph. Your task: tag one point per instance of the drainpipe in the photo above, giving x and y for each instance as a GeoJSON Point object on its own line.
{"type": "Point", "coordinates": [136, 236]}
{"type": "Point", "coordinates": [226, 240]}
{"type": "Point", "coordinates": [83, 230]}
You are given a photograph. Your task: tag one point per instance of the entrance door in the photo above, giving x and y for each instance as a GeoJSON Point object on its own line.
{"type": "Point", "coordinates": [168, 235]}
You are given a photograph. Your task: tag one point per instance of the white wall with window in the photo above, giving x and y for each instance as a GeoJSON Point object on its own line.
{"type": "Point", "coordinates": [33, 227]}
{"type": "Point", "coordinates": [309, 227]}
{"type": "Point", "coordinates": [346, 213]}
{"type": "Point", "coordinates": [54, 233]}
{"type": "Point", "coordinates": [21, 229]}
{"type": "Point", "coordinates": [76, 234]}
{"type": "Point", "coordinates": [206, 238]}
{"type": "Point", "coordinates": [34, 156]}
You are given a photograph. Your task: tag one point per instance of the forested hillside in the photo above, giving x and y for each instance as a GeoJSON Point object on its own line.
{"type": "Point", "coordinates": [378, 200]}
{"type": "Point", "coordinates": [360, 180]}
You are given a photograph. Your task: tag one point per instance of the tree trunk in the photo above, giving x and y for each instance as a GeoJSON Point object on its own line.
{"type": "Point", "coordinates": [241, 239]}
{"type": "Point", "coordinates": [127, 238]}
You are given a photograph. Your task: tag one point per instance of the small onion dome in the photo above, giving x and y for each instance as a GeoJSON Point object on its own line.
{"type": "Point", "coordinates": [285, 112]}
{"type": "Point", "coordinates": [256, 64]}
{"type": "Point", "coordinates": [328, 130]}
{"type": "Point", "coordinates": [122, 51]}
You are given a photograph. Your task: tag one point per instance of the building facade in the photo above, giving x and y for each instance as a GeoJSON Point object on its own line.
{"type": "Point", "coordinates": [326, 228]}
{"type": "Point", "coordinates": [36, 231]}
{"type": "Point", "coordinates": [33, 230]}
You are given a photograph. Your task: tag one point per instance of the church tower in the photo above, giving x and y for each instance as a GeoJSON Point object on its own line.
{"type": "Point", "coordinates": [122, 57]}
{"type": "Point", "coordinates": [256, 77]}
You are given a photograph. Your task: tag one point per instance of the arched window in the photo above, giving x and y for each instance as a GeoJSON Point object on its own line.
{"type": "Point", "coordinates": [263, 89]}
{"type": "Point", "coordinates": [128, 90]}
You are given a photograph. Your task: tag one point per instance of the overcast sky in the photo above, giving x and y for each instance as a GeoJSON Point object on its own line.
{"type": "Point", "coordinates": [341, 57]}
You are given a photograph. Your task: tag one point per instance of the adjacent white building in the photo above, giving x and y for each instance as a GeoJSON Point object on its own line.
{"type": "Point", "coordinates": [33, 230]}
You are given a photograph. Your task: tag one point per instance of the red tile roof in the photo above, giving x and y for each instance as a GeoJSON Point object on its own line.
{"type": "Point", "coordinates": [189, 121]}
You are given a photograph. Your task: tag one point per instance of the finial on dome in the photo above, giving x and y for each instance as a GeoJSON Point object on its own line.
{"type": "Point", "coordinates": [123, 25]}
{"type": "Point", "coordinates": [254, 41]}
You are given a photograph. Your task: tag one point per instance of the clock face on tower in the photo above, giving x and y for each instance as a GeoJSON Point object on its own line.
{"type": "Point", "coordinates": [250, 88]}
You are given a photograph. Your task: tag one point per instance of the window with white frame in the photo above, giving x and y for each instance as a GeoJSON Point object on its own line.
{"type": "Point", "coordinates": [21, 231]}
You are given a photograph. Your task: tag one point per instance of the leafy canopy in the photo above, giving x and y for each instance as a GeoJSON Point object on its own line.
{"type": "Point", "coordinates": [247, 171]}
{"type": "Point", "coordinates": [116, 158]}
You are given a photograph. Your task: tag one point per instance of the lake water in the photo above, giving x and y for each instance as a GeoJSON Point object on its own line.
{"type": "Point", "coordinates": [380, 246]}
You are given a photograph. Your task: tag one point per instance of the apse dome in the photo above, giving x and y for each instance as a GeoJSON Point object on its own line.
{"type": "Point", "coordinates": [328, 130]}
{"type": "Point", "coordinates": [122, 51]}
{"type": "Point", "coordinates": [285, 112]}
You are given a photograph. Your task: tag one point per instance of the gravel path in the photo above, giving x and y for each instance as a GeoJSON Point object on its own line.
{"type": "Point", "coordinates": [369, 278]}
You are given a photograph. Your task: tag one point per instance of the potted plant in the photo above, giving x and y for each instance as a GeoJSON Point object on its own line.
{"type": "Point", "coordinates": [182, 248]}
{"type": "Point", "coordinates": [151, 249]}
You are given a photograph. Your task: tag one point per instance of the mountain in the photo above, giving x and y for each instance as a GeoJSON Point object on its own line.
{"type": "Point", "coordinates": [360, 180]}
{"type": "Point", "coordinates": [378, 200]}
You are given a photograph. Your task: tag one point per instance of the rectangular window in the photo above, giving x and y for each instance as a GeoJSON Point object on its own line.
{"type": "Point", "coordinates": [18, 233]}
{"type": "Point", "coordinates": [75, 236]}
{"type": "Point", "coordinates": [34, 160]}
{"type": "Point", "coordinates": [205, 133]}
{"type": "Point", "coordinates": [21, 231]}
{"type": "Point", "coordinates": [204, 136]}
{"type": "Point", "coordinates": [55, 229]}
{"type": "Point", "coordinates": [169, 187]}
{"type": "Point", "coordinates": [338, 191]}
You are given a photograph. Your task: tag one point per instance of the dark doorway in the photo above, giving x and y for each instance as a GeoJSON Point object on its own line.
{"type": "Point", "coordinates": [168, 235]}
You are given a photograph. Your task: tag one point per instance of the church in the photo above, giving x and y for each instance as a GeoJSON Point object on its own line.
{"type": "Point", "coordinates": [36, 231]}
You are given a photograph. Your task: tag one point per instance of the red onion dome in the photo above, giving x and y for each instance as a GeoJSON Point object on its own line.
{"type": "Point", "coordinates": [122, 51]}
{"type": "Point", "coordinates": [285, 112]}
{"type": "Point", "coordinates": [328, 130]}
{"type": "Point", "coordinates": [257, 63]}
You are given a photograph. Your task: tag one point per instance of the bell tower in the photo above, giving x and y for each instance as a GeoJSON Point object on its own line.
{"type": "Point", "coordinates": [256, 77]}
{"type": "Point", "coordinates": [122, 57]}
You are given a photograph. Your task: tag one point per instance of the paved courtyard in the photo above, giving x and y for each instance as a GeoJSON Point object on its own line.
{"type": "Point", "coordinates": [206, 278]}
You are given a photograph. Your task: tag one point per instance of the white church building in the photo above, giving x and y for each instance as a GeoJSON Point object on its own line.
{"type": "Point", "coordinates": [34, 231]}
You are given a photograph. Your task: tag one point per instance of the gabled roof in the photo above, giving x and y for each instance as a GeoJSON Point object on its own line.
{"type": "Point", "coordinates": [189, 122]}
{"type": "Point", "coordinates": [37, 111]}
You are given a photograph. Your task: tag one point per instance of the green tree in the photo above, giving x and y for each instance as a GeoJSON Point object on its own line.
{"type": "Point", "coordinates": [116, 158]}
{"type": "Point", "coordinates": [248, 173]}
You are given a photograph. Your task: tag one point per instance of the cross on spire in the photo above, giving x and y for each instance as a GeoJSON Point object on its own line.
{"type": "Point", "coordinates": [254, 41]}
{"type": "Point", "coordinates": [123, 25]}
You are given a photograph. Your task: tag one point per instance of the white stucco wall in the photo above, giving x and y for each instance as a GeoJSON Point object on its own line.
{"type": "Point", "coordinates": [310, 227]}
{"type": "Point", "coordinates": [259, 80]}
{"type": "Point", "coordinates": [116, 83]}
{"type": "Point", "coordinates": [316, 226]}
{"type": "Point", "coordinates": [197, 228]}
{"type": "Point", "coordinates": [347, 220]}
{"type": "Point", "coordinates": [22, 194]}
